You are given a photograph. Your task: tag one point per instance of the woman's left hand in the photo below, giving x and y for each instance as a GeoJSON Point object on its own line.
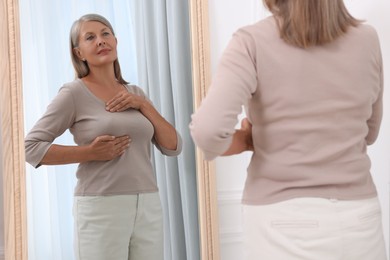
{"type": "Point", "coordinates": [242, 139]}
{"type": "Point", "coordinates": [124, 100]}
{"type": "Point", "coordinates": [246, 127]}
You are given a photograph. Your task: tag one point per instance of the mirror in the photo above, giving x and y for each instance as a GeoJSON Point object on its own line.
{"type": "Point", "coordinates": [213, 241]}
{"type": "Point", "coordinates": [13, 161]}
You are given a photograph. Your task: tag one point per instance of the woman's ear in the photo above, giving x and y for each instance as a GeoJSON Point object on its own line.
{"type": "Point", "coordinates": [77, 52]}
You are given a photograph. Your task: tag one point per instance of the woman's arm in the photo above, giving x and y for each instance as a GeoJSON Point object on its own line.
{"type": "Point", "coordinates": [375, 120]}
{"type": "Point", "coordinates": [103, 148]}
{"type": "Point", "coordinates": [234, 82]}
{"type": "Point", "coordinates": [164, 133]}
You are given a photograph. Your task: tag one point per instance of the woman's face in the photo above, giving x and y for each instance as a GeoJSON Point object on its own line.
{"type": "Point", "coordinates": [97, 44]}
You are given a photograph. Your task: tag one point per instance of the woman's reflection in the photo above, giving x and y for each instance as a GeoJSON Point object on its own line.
{"type": "Point", "coordinates": [309, 192]}
{"type": "Point", "coordinates": [117, 208]}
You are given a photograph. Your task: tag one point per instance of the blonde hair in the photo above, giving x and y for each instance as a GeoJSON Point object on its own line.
{"type": "Point", "coordinates": [306, 23]}
{"type": "Point", "coordinates": [81, 67]}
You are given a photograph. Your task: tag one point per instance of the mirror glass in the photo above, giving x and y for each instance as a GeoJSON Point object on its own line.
{"type": "Point", "coordinates": [225, 17]}
{"type": "Point", "coordinates": [46, 66]}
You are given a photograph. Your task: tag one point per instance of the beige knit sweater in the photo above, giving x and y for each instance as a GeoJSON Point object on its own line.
{"type": "Point", "coordinates": [79, 110]}
{"type": "Point", "coordinates": [313, 112]}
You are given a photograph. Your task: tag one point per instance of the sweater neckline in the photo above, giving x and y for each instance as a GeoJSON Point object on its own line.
{"type": "Point", "coordinates": [89, 92]}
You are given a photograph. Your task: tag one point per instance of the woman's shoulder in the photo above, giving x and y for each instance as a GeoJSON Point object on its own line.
{"type": "Point", "coordinates": [263, 30]}
{"type": "Point", "coordinates": [364, 34]}
{"type": "Point", "coordinates": [365, 27]}
{"type": "Point", "coordinates": [264, 25]}
{"type": "Point", "coordinates": [73, 87]}
{"type": "Point", "coordinates": [134, 89]}
{"type": "Point", "coordinates": [367, 30]}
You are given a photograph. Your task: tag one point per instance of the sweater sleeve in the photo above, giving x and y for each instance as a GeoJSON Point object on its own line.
{"type": "Point", "coordinates": [168, 152]}
{"type": "Point", "coordinates": [233, 84]}
{"type": "Point", "coordinates": [59, 116]}
{"type": "Point", "coordinates": [162, 149]}
{"type": "Point", "coordinates": [374, 121]}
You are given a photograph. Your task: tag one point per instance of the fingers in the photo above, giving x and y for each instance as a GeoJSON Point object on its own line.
{"type": "Point", "coordinates": [122, 144]}
{"type": "Point", "coordinates": [108, 147]}
{"type": "Point", "coordinates": [120, 102]}
{"type": "Point", "coordinates": [123, 101]}
{"type": "Point", "coordinates": [117, 141]}
{"type": "Point", "coordinates": [113, 101]}
{"type": "Point", "coordinates": [245, 124]}
{"type": "Point", "coordinates": [122, 140]}
{"type": "Point", "coordinates": [122, 106]}
{"type": "Point", "coordinates": [105, 138]}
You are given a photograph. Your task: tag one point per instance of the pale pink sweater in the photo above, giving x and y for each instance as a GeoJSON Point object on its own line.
{"type": "Point", "coordinates": [314, 111]}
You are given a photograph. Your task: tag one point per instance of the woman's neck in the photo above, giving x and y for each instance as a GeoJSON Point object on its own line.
{"type": "Point", "coordinates": [105, 77]}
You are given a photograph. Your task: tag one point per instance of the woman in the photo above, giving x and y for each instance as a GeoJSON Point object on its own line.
{"type": "Point", "coordinates": [311, 80]}
{"type": "Point", "coordinates": [117, 209]}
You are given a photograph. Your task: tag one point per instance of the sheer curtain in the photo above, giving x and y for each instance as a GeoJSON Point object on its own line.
{"type": "Point", "coordinates": [164, 66]}
{"type": "Point", "coordinates": [46, 66]}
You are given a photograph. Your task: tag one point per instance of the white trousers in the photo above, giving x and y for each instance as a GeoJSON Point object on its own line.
{"type": "Point", "coordinates": [314, 229]}
{"type": "Point", "coordinates": [124, 227]}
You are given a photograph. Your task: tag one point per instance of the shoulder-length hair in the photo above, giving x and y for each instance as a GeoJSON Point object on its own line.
{"type": "Point", "coordinates": [81, 67]}
{"type": "Point", "coordinates": [306, 23]}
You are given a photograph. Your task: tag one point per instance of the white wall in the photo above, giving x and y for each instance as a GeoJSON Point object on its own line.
{"type": "Point", "coordinates": [225, 17]}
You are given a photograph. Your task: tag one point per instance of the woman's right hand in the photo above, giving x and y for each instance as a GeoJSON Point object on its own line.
{"type": "Point", "coordinates": [107, 147]}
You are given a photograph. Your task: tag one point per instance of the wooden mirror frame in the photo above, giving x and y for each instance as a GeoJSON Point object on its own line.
{"type": "Point", "coordinates": [12, 132]}
{"type": "Point", "coordinates": [11, 107]}
{"type": "Point", "coordinates": [201, 75]}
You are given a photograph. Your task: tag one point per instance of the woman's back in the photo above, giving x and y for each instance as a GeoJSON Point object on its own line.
{"type": "Point", "coordinates": [309, 109]}
{"type": "Point", "coordinates": [311, 81]}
